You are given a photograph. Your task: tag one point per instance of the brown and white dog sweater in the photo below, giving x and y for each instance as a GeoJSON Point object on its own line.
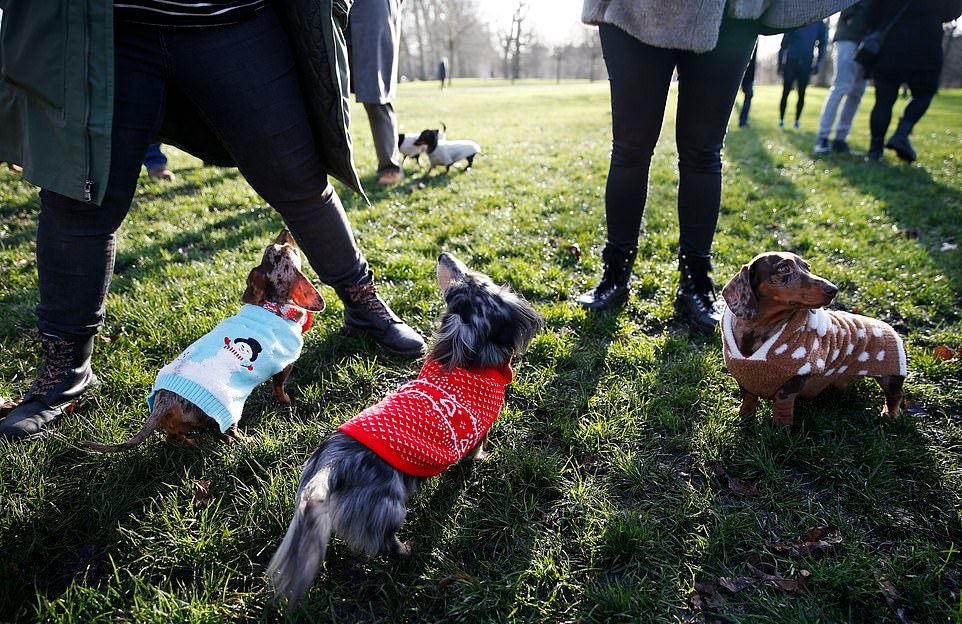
{"type": "Point", "coordinates": [827, 345]}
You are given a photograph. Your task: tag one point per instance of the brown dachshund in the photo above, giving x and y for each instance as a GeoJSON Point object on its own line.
{"type": "Point", "coordinates": [779, 343]}
{"type": "Point", "coordinates": [218, 371]}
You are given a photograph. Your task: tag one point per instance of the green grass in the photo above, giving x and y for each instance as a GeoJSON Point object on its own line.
{"type": "Point", "coordinates": [597, 503]}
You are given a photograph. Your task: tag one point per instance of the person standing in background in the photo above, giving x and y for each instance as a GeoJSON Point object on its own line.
{"type": "Point", "coordinates": [911, 53]}
{"type": "Point", "coordinates": [375, 40]}
{"type": "Point", "coordinates": [795, 63]}
{"type": "Point", "coordinates": [156, 163]}
{"type": "Point", "coordinates": [848, 81]}
{"type": "Point", "coordinates": [748, 88]}
{"type": "Point", "coordinates": [443, 70]}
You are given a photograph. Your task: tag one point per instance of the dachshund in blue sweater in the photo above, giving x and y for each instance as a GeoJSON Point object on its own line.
{"type": "Point", "coordinates": [207, 385]}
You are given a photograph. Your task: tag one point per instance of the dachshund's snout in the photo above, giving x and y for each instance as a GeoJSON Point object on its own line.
{"type": "Point", "coordinates": [830, 289]}
{"type": "Point", "coordinates": [284, 238]}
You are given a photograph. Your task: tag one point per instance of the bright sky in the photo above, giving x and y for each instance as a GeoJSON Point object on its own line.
{"type": "Point", "coordinates": [556, 21]}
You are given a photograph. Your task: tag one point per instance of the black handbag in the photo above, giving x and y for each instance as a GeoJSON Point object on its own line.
{"type": "Point", "coordinates": [866, 54]}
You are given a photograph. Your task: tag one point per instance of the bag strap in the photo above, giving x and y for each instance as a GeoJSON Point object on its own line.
{"type": "Point", "coordinates": [898, 14]}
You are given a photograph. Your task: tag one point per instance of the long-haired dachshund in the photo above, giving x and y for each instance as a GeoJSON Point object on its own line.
{"type": "Point", "coordinates": [779, 343]}
{"type": "Point", "coordinates": [358, 482]}
{"type": "Point", "coordinates": [207, 385]}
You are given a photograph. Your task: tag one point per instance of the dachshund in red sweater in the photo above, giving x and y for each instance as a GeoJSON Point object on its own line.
{"type": "Point", "coordinates": [358, 482]}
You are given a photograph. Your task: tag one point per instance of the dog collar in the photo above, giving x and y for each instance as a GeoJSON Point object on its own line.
{"type": "Point", "coordinates": [300, 316]}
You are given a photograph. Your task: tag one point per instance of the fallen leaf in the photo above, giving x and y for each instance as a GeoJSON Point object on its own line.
{"type": "Point", "coordinates": [588, 464]}
{"type": "Point", "coordinates": [705, 597]}
{"type": "Point", "coordinates": [443, 583]}
{"type": "Point", "coordinates": [201, 493]}
{"type": "Point", "coordinates": [108, 339]}
{"type": "Point", "coordinates": [735, 584]}
{"type": "Point", "coordinates": [6, 405]}
{"type": "Point", "coordinates": [735, 486]}
{"type": "Point", "coordinates": [944, 353]}
{"type": "Point", "coordinates": [788, 585]}
{"type": "Point", "coordinates": [893, 599]}
{"type": "Point", "coordinates": [574, 250]}
{"type": "Point", "coordinates": [818, 541]}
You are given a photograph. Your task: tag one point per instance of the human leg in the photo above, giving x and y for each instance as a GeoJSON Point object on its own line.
{"type": "Point", "coordinates": [855, 82]}
{"type": "Point", "coordinates": [156, 163]}
{"type": "Point", "coordinates": [886, 93]}
{"type": "Point", "coordinates": [76, 242]}
{"type": "Point", "coordinates": [639, 77]}
{"type": "Point", "coordinates": [899, 141]}
{"type": "Point", "coordinates": [383, 122]}
{"type": "Point", "coordinates": [800, 103]}
{"type": "Point", "coordinates": [707, 87]}
{"type": "Point", "coordinates": [243, 81]}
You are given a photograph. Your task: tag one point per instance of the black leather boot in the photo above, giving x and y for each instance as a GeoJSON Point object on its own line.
{"type": "Point", "coordinates": [875, 150]}
{"type": "Point", "coordinates": [612, 290]}
{"type": "Point", "coordinates": [63, 377]}
{"type": "Point", "coordinates": [366, 314]}
{"type": "Point", "coordinates": [900, 141]}
{"type": "Point", "coordinates": [696, 301]}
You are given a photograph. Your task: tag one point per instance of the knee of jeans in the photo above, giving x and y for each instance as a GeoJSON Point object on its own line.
{"type": "Point", "coordinates": [74, 216]}
{"type": "Point", "coordinates": [701, 159]}
{"type": "Point", "coordinates": [630, 153]}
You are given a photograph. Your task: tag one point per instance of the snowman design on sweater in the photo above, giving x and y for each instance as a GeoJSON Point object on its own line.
{"type": "Point", "coordinates": [430, 423]}
{"type": "Point", "coordinates": [218, 372]}
{"type": "Point", "coordinates": [826, 345]}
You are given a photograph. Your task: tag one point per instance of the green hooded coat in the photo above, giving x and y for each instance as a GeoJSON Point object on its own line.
{"type": "Point", "coordinates": [57, 92]}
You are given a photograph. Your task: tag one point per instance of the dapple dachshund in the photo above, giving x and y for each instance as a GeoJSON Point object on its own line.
{"type": "Point", "coordinates": [207, 385]}
{"type": "Point", "coordinates": [779, 343]}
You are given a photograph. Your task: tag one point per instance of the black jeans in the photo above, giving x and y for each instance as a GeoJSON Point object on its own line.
{"type": "Point", "coordinates": [640, 76]}
{"type": "Point", "coordinates": [241, 78]}
{"type": "Point", "coordinates": [886, 94]}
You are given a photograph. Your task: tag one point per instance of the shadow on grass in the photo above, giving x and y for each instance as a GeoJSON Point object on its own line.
{"type": "Point", "coordinates": [922, 206]}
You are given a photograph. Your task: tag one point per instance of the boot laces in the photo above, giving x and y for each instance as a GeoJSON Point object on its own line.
{"type": "Point", "coordinates": [365, 295]}
{"type": "Point", "coordinates": [55, 368]}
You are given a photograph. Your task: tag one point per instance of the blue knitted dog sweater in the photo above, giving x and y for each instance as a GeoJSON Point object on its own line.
{"type": "Point", "coordinates": [218, 372]}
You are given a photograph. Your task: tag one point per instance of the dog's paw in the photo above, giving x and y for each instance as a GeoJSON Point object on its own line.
{"type": "Point", "coordinates": [282, 397]}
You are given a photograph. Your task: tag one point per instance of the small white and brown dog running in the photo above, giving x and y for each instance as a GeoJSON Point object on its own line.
{"type": "Point", "coordinates": [358, 482]}
{"type": "Point", "coordinates": [444, 152]}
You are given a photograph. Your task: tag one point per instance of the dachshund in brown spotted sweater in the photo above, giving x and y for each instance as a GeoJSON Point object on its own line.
{"type": "Point", "coordinates": [780, 343]}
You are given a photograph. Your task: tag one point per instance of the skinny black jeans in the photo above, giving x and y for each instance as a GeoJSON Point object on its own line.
{"type": "Point", "coordinates": [242, 80]}
{"type": "Point", "coordinates": [640, 76]}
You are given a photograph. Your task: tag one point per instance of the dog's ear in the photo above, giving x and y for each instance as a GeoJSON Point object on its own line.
{"type": "Point", "coordinates": [740, 296]}
{"type": "Point", "coordinates": [305, 295]}
{"type": "Point", "coordinates": [256, 286]}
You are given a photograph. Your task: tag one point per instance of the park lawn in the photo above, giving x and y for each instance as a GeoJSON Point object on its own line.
{"type": "Point", "coordinates": [599, 501]}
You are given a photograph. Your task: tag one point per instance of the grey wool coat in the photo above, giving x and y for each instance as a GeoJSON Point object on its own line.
{"type": "Point", "coordinates": [374, 40]}
{"type": "Point", "coordinates": [694, 24]}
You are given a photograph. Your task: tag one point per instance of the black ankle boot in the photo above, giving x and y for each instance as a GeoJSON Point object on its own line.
{"type": "Point", "coordinates": [696, 299]}
{"type": "Point", "coordinates": [612, 290]}
{"type": "Point", "coordinates": [63, 377]}
{"type": "Point", "coordinates": [875, 150]}
{"type": "Point", "coordinates": [900, 142]}
{"type": "Point", "coordinates": [366, 314]}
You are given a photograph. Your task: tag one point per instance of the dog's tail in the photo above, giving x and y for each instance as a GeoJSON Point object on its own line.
{"type": "Point", "coordinates": [149, 427]}
{"type": "Point", "coordinates": [297, 561]}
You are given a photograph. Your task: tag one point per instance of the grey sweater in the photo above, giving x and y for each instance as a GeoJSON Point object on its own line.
{"type": "Point", "coordinates": [694, 24]}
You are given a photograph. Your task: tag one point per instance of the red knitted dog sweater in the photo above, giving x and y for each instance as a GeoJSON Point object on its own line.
{"type": "Point", "coordinates": [432, 422]}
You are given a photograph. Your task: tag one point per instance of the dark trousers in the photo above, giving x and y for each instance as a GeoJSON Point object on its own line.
{"type": "Point", "coordinates": [640, 76]}
{"type": "Point", "coordinates": [886, 93]}
{"type": "Point", "coordinates": [242, 80]}
{"type": "Point", "coordinates": [748, 88]}
{"type": "Point", "coordinates": [794, 75]}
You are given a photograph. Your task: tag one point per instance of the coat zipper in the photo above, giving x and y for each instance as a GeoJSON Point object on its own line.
{"type": "Point", "coordinates": [88, 183]}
